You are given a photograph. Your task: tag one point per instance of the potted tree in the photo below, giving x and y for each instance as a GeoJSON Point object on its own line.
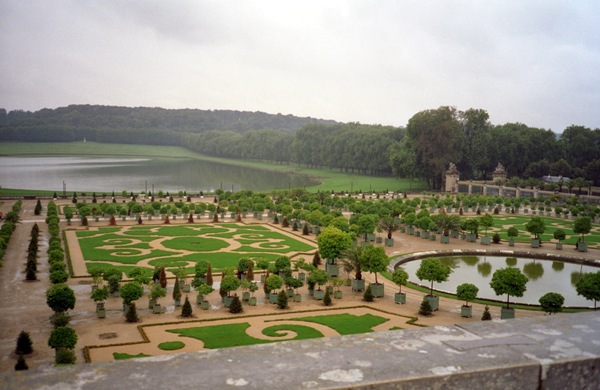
{"type": "Point", "coordinates": [375, 260]}
{"type": "Point", "coordinates": [583, 226]}
{"type": "Point", "coordinates": [156, 292]}
{"type": "Point", "coordinates": [447, 223]}
{"type": "Point", "coordinates": [509, 281]}
{"type": "Point", "coordinates": [536, 226]}
{"type": "Point", "coordinates": [274, 282]}
{"type": "Point", "coordinates": [389, 225]}
{"type": "Point", "coordinates": [352, 262]}
{"type": "Point", "coordinates": [177, 292]}
{"type": "Point", "coordinates": [253, 287]}
{"type": "Point", "coordinates": [433, 270]}
{"type": "Point", "coordinates": [332, 242]}
{"type": "Point", "coordinates": [203, 289]}
{"type": "Point", "coordinates": [337, 283]}
{"type": "Point", "coordinates": [559, 235]}
{"type": "Point", "coordinates": [552, 302]}
{"type": "Point", "coordinates": [512, 233]}
{"type": "Point", "coordinates": [400, 278]}
{"type": "Point", "coordinates": [130, 292]}
{"type": "Point", "coordinates": [229, 283]}
{"type": "Point", "coordinates": [100, 295]}
{"type": "Point", "coordinates": [588, 286]}
{"type": "Point", "coordinates": [486, 221]}
{"type": "Point", "coordinates": [318, 277]}
{"type": "Point", "coordinates": [471, 225]}
{"type": "Point", "coordinates": [466, 292]}
{"type": "Point", "coordinates": [295, 284]}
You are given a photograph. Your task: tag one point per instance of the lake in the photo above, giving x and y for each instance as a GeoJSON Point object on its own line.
{"type": "Point", "coordinates": [544, 276]}
{"type": "Point", "coordinates": [110, 173]}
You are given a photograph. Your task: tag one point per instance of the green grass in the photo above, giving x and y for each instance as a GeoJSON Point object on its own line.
{"type": "Point", "coordinates": [330, 179]}
{"type": "Point", "coordinates": [346, 324]}
{"type": "Point", "coordinates": [123, 356]}
{"type": "Point", "coordinates": [171, 345]}
{"type": "Point", "coordinates": [233, 335]}
{"type": "Point", "coordinates": [203, 241]}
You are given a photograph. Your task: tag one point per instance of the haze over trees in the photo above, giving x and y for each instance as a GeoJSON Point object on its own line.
{"type": "Point", "coordinates": [432, 140]}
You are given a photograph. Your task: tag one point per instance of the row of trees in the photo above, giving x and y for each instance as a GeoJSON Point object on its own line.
{"type": "Point", "coordinates": [8, 227]}
{"type": "Point", "coordinates": [431, 140]}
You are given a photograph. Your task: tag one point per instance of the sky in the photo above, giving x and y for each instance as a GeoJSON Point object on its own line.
{"type": "Point", "coordinates": [374, 62]}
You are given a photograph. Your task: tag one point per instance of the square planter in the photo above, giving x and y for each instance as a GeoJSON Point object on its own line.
{"type": "Point", "coordinates": [370, 237]}
{"type": "Point", "coordinates": [246, 296]}
{"type": "Point", "coordinates": [157, 309]}
{"type": "Point", "coordinates": [204, 305]}
{"type": "Point", "coordinates": [329, 289]}
{"type": "Point", "coordinates": [432, 237]}
{"type": "Point", "coordinates": [486, 240]}
{"type": "Point", "coordinates": [297, 298]}
{"type": "Point", "coordinates": [358, 285]}
{"type": "Point", "coordinates": [559, 245]}
{"type": "Point", "coordinates": [273, 298]}
{"type": "Point", "coordinates": [301, 276]}
{"type": "Point", "coordinates": [290, 293]}
{"type": "Point", "coordinates": [466, 311]}
{"type": "Point", "coordinates": [426, 235]}
{"type": "Point", "coordinates": [332, 270]}
{"type": "Point", "coordinates": [400, 298]}
{"type": "Point", "coordinates": [379, 240]}
{"type": "Point", "coordinates": [434, 301]}
{"type": "Point", "coordinates": [506, 314]}
{"type": "Point", "coordinates": [535, 243]}
{"type": "Point", "coordinates": [227, 301]}
{"type": "Point", "coordinates": [389, 242]}
{"type": "Point", "coordinates": [186, 288]}
{"type": "Point", "coordinates": [377, 290]}
{"type": "Point", "coordinates": [444, 239]}
{"type": "Point", "coordinates": [511, 242]}
{"type": "Point", "coordinates": [101, 313]}
{"type": "Point", "coordinates": [337, 294]}
{"type": "Point", "coordinates": [471, 237]}
{"type": "Point", "coordinates": [582, 247]}
{"type": "Point", "coordinates": [151, 303]}
{"type": "Point", "coordinates": [252, 301]}
{"type": "Point", "coordinates": [319, 294]}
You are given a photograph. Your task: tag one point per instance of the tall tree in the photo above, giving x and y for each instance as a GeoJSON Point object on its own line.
{"type": "Point", "coordinates": [436, 137]}
{"type": "Point", "coordinates": [476, 129]}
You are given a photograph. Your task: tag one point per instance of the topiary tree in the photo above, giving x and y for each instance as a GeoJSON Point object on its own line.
{"type": "Point", "coordinates": [176, 291]}
{"type": "Point", "coordinates": [24, 344]}
{"type": "Point", "coordinates": [186, 310]}
{"type": "Point", "coordinates": [327, 299]}
{"type": "Point", "coordinates": [487, 316]}
{"type": "Point", "coordinates": [512, 232]}
{"type": "Point", "coordinates": [132, 313]}
{"type": "Point", "coordinates": [230, 283]}
{"type": "Point", "coordinates": [466, 292]}
{"type": "Point", "coordinates": [316, 261]}
{"type": "Point", "coordinates": [157, 291]}
{"type": "Point", "coordinates": [319, 277]}
{"type": "Point", "coordinates": [588, 286]}
{"type": "Point", "coordinates": [433, 270]}
{"type": "Point", "coordinates": [509, 281]}
{"type": "Point", "coordinates": [282, 299]}
{"type": "Point", "coordinates": [425, 308]}
{"type": "Point", "coordinates": [274, 282]}
{"type": "Point", "coordinates": [235, 306]}
{"type": "Point", "coordinates": [100, 294]}
{"type": "Point", "coordinates": [113, 276]}
{"type": "Point", "coordinates": [62, 337]}
{"type": "Point", "coordinates": [60, 298]}
{"type": "Point", "coordinates": [332, 242]}
{"type": "Point", "coordinates": [552, 302]}
{"type": "Point", "coordinates": [131, 291]}
{"type": "Point", "coordinates": [21, 364]}
{"type": "Point", "coordinates": [559, 235]}
{"type": "Point", "coordinates": [486, 221]}
{"type": "Point", "coordinates": [368, 295]}
{"type": "Point", "coordinates": [162, 279]}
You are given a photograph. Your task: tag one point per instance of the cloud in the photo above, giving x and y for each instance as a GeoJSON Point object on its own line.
{"type": "Point", "coordinates": [529, 62]}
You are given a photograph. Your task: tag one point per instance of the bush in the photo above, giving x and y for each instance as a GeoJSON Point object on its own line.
{"type": "Point", "coordinates": [487, 316]}
{"type": "Point", "coordinates": [132, 313]}
{"type": "Point", "coordinates": [24, 344]}
{"type": "Point", "coordinates": [282, 300]}
{"type": "Point", "coordinates": [425, 308]}
{"type": "Point", "coordinates": [496, 238]}
{"type": "Point", "coordinates": [186, 310]}
{"type": "Point", "coordinates": [62, 337]}
{"type": "Point", "coordinates": [327, 298]}
{"type": "Point", "coordinates": [305, 230]}
{"type": "Point", "coordinates": [236, 305]}
{"type": "Point", "coordinates": [59, 276]}
{"type": "Point", "coordinates": [21, 364]}
{"type": "Point", "coordinates": [60, 319]}
{"type": "Point", "coordinates": [65, 356]}
{"type": "Point", "coordinates": [368, 295]}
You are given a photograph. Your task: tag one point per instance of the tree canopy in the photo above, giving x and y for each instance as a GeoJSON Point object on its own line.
{"type": "Point", "coordinates": [332, 242]}
{"type": "Point", "coordinates": [509, 281]}
{"type": "Point", "coordinates": [434, 270]}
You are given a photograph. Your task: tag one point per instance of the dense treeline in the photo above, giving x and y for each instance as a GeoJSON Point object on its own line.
{"type": "Point", "coordinates": [424, 149]}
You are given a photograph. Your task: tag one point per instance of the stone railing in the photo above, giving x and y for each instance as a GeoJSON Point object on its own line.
{"type": "Point", "coordinates": [552, 352]}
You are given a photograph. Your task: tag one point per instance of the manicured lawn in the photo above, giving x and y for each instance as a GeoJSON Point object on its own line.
{"type": "Point", "coordinates": [171, 345]}
{"type": "Point", "coordinates": [185, 244]}
{"type": "Point", "coordinates": [233, 335]}
{"type": "Point", "coordinates": [123, 356]}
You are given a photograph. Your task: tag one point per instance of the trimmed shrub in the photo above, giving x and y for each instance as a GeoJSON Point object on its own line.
{"type": "Point", "coordinates": [186, 310]}
{"type": "Point", "coordinates": [282, 300]}
{"type": "Point", "coordinates": [425, 308]}
{"type": "Point", "coordinates": [496, 238]}
{"type": "Point", "coordinates": [368, 295]}
{"type": "Point", "coordinates": [487, 316]}
{"type": "Point", "coordinates": [24, 344]}
{"type": "Point", "coordinates": [21, 364]}
{"type": "Point", "coordinates": [132, 313]}
{"type": "Point", "coordinates": [327, 298]}
{"type": "Point", "coordinates": [65, 356]}
{"type": "Point", "coordinates": [236, 305]}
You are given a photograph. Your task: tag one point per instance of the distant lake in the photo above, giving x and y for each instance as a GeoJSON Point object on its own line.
{"type": "Point", "coordinates": [110, 173]}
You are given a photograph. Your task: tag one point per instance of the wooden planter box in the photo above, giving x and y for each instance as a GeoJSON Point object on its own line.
{"type": "Point", "coordinates": [290, 293]}
{"type": "Point", "coordinates": [204, 305]}
{"type": "Point", "coordinates": [329, 289]}
{"type": "Point", "coordinates": [432, 237]}
{"type": "Point", "coordinates": [426, 235]}
{"type": "Point", "coordinates": [535, 243]}
{"type": "Point", "coordinates": [389, 242]}
{"type": "Point", "coordinates": [301, 276]}
{"type": "Point", "coordinates": [486, 240]}
{"type": "Point", "coordinates": [377, 289]}
{"type": "Point", "coordinates": [252, 301]}
{"type": "Point", "coordinates": [246, 296]}
{"type": "Point", "coordinates": [507, 313]}
{"type": "Point", "coordinates": [511, 242]}
{"type": "Point", "coordinates": [319, 294]}
{"type": "Point", "coordinates": [582, 247]}
{"type": "Point", "coordinates": [434, 301]}
{"type": "Point", "coordinates": [297, 298]}
{"type": "Point", "coordinates": [273, 298]}
{"type": "Point", "coordinates": [379, 240]}
{"type": "Point", "coordinates": [471, 237]}
{"type": "Point", "coordinates": [559, 245]}
{"type": "Point", "coordinates": [466, 311]}
{"type": "Point", "coordinates": [358, 285]}
{"type": "Point", "coordinates": [151, 303]}
{"type": "Point", "coordinates": [157, 309]}
{"type": "Point", "coordinates": [337, 294]}
{"type": "Point", "coordinates": [400, 298]}
{"type": "Point", "coordinates": [186, 288]}
{"type": "Point", "coordinates": [101, 313]}
{"type": "Point", "coordinates": [227, 301]}
{"type": "Point", "coordinates": [332, 270]}
{"type": "Point", "coordinates": [445, 239]}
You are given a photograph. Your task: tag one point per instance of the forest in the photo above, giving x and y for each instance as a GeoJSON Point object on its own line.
{"type": "Point", "coordinates": [423, 149]}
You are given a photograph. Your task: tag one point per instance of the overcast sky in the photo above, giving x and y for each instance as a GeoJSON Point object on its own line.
{"type": "Point", "coordinates": [374, 62]}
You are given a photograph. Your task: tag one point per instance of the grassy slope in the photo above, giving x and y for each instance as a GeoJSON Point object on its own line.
{"type": "Point", "coordinates": [330, 180]}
